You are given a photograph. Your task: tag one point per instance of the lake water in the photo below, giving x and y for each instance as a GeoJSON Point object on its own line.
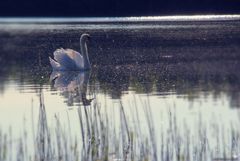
{"type": "Point", "coordinates": [160, 88]}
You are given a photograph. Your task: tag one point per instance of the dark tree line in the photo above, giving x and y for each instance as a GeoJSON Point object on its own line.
{"type": "Point", "coordinates": [116, 7]}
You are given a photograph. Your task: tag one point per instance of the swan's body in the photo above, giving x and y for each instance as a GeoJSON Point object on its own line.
{"type": "Point", "coordinates": [70, 60]}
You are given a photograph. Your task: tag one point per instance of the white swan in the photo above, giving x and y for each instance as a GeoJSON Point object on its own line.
{"type": "Point", "coordinates": [70, 60]}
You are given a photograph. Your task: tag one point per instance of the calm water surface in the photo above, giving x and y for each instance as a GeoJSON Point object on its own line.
{"type": "Point", "coordinates": [163, 90]}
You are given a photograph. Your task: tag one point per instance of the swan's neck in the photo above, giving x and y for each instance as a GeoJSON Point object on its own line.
{"type": "Point", "coordinates": [84, 52]}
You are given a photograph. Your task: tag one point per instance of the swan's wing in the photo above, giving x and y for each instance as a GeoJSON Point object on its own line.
{"type": "Point", "coordinates": [77, 57]}
{"type": "Point", "coordinates": [55, 65]}
{"type": "Point", "coordinates": [63, 58]}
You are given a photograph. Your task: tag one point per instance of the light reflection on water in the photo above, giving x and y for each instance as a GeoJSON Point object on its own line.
{"type": "Point", "coordinates": [170, 91]}
{"type": "Point", "coordinates": [121, 19]}
{"type": "Point", "coordinates": [163, 118]}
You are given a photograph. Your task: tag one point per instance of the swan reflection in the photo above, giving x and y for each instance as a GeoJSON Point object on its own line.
{"type": "Point", "coordinates": [73, 86]}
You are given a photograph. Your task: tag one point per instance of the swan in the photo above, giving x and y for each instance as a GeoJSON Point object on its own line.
{"type": "Point", "coordinates": [71, 60]}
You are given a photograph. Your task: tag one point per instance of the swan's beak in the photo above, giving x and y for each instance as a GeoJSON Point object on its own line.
{"type": "Point", "coordinates": [88, 36]}
{"type": "Point", "coordinates": [85, 36]}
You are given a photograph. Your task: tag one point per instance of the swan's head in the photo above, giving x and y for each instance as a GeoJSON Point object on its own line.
{"type": "Point", "coordinates": [85, 37]}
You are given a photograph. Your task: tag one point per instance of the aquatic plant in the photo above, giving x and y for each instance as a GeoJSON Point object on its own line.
{"type": "Point", "coordinates": [104, 137]}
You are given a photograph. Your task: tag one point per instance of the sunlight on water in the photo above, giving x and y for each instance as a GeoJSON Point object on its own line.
{"type": "Point", "coordinates": [19, 109]}
{"type": "Point", "coordinates": [159, 89]}
{"type": "Point", "coordinates": [128, 23]}
{"type": "Point", "coordinates": [123, 19]}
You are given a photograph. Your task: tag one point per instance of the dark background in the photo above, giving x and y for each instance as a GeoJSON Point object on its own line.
{"type": "Point", "coordinates": [99, 8]}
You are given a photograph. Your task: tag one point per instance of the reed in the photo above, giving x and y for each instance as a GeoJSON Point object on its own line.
{"type": "Point", "coordinates": [102, 139]}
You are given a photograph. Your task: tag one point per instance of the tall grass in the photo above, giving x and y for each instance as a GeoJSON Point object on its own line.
{"type": "Point", "coordinates": [100, 139]}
